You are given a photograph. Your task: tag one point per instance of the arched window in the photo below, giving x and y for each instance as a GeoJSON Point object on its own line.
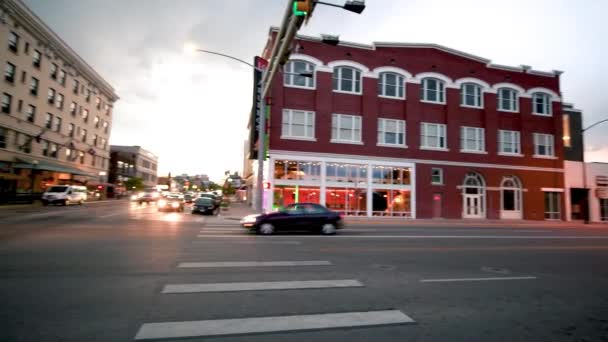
{"type": "Point", "coordinates": [347, 79]}
{"type": "Point", "coordinates": [541, 104]}
{"type": "Point", "coordinates": [473, 183]}
{"type": "Point", "coordinates": [508, 100]}
{"type": "Point", "coordinates": [473, 196]}
{"type": "Point", "coordinates": [510, 190]}
{"type": "Point", "coordinates": [295, 74]}
{"type": "Point", "coordinates": [391, 84]}
{"type": "Point", "coordinates": [470, 95]}
{"type": "Point", "coordinates": [432, 90]}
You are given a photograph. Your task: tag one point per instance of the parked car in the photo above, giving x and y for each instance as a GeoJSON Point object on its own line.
{"type": "Point", "coordinates": [189, 198]}
{"type": "Point", "coordinates": [64, 195]}
{"type": "Point", "coordinates": [205, 205]}
{"type": "Point", "coordinates": [297, 216]}
{"type": "Point", "coordinates": [148, 196]}
{"type": "Point", "coordinates": [171, 203]}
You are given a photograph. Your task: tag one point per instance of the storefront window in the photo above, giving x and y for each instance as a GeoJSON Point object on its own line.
{"type": "Point", "coordinates": [297, 170]}
{"type": "Point", "coordinates": [286, 195]}
{"type": "Point", "coordinates": [391, 203]}
{"type": "Point", "coordinates": [390, 175]}
{"type": "Point", "coordinates": [604, 209]}
{"type": "Point", "coordinates": [346, 173]}
{"type": "Point", "coordinates": [279, 169]}
{"type": "Point", "coordinates": [347, 201]}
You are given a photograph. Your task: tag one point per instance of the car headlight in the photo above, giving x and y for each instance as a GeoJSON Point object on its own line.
{"type": "Point", "coordinates": [175, 205]}
{"type": "Point", "coordinates": [249, 219]}
{"type": "Point", "coordinates": [133, 197]}
{"type": "Point", "coordinates": [162, 203]}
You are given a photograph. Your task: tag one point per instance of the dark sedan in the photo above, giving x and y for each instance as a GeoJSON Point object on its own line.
{"type": "Point", "coordinates": [204, 205]}
{"type": "Point", "coordinates": [297, 216]}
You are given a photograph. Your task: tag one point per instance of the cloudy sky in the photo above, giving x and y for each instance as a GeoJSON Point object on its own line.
{"type": "Point", "coordinates": [192, 110]}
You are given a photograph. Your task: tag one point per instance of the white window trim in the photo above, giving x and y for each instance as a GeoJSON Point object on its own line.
{"type": "Point", "coordinates": [549, 105]}
{"type": "Point", "coordinates": [543, 156]}
{"type": "Point", "coordinates": [482, 143]}
{"type": "Point", "coordinates": [440, 173]}
{"type": "Point", "coordinates": [432, 102]}
{"type": "Point", "coordinates": [445, 93]}
{"type": "Point", "coordinates": [295, 137]}
{"type": "Point", "coordinates": [337, 67]}
{"type": "Point", "coordinates": [481, 95]}
{"type": "Point", "coordinates": [314, 75]}
{"type": "Point", "coordinates": [403, 83]}
{"type": "Point", "coordinates": [510, 154]}
{"type": "Point", "coordinates": [473, 107]}
{"type": "Point", "coordinates": [404, 133]}
{"type": "Point", "coordinates": [516, 101]}
{"type": "Point", "coordinates": [499, 141]}
{"type": "Point", "coordinates": [340, 141]}
{"type": "Point", "coordinates": [434, 148]}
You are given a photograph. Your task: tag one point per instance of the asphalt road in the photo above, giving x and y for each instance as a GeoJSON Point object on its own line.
{"type": "Point", "coordinates": [118, 271]}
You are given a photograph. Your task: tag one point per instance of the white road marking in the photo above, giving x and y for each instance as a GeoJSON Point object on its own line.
{"type": "Point", "coordinates": [252, 264]}
{"type": "Point", "coordinates": [489, 237]}
{"type": "Point", "coordinates": [251, 242]}
{"type": "Point", "coordinates": [110, 215]}
{"type": "Point", "coordinates": [260, 286]}
{"type": "Point", "coordinates": [448, 280]}
{"type": "Point", "coordinates": [218, 327]}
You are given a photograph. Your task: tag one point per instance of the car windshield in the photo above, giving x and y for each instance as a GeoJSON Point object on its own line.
{"type": "Point", "coordinates": [203, 201]}
{"type": "Point", "coordinates": [57, 189]}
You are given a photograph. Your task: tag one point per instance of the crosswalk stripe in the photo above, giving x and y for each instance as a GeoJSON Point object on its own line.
{"type": "Point", "coordinates": [252, 264]}
{"type": "Point", "coordinates": [166, 330]}
{"type": "Point", "coordinates": [249, 242]}
{"type": "Point", "coordinates": [449, 280]}
{"type": "Point", "coordinates": [260, 286]}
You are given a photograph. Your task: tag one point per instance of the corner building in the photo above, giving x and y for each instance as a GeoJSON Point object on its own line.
{"type": "Point", "coordinates": [416, 131]}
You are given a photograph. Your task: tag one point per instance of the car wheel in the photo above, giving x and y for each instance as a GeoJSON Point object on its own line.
{"type": "Point", "coordinates": [64, 203]}
{"type": "Point", "coordinates": [266, 229]}
{"type": "Point", "coordinates": [81, 202]}
{"type": "Point", "coordinates": [328, 229]}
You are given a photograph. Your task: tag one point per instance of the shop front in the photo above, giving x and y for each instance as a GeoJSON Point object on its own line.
{"type": "Point", "coordinates": [351, 187]}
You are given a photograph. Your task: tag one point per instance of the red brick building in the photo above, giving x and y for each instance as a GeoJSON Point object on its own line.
{"type": "Point", "coordinates": [414, 130]}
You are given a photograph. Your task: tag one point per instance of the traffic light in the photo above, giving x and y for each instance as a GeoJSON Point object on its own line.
{"type": "Point", "coordinates": [302, 8]}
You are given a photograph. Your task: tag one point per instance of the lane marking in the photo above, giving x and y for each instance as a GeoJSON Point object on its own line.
{"type": "Point", "coordinates": [448, 280]}
{"type": "Point", "coordinates": [250, 242]}
{"type": "Point", "coordinates": [252, 264]}
{"type": "Point", "coordinates": [333, 237]}
{"type": "Point", "coordinates": [169, 330]}
{"type": "Point", "coordinates": [260, 286]}
{"type": "Point", "coordinates": [110, 215]}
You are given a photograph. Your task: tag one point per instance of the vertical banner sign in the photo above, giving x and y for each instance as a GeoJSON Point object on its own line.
{"type": "Point", "coordinates": [256, 109]}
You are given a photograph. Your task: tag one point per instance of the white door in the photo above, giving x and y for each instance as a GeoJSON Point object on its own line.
{"type": "Point", "coordinates": [472, 206]}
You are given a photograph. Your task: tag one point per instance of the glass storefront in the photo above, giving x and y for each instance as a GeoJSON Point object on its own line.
{"type": "Point", "coordinates": [347, 201]}
{"type": "Point", "coordinates": [286, 195]}
{"type": "Point", "coordinates": [391, 203]}
{"type": "Point", "coordinates": [297, 170]}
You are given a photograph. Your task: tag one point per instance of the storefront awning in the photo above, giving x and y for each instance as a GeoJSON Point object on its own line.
{"type": "Point", "coordinates": [48, 166]}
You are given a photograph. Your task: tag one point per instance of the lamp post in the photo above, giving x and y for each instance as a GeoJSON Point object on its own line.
{"type": "Point", "coordinates": [585, 170]}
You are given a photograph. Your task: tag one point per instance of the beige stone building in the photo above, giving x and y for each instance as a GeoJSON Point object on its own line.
{"type": "Point", "coordinates": [56, 110]}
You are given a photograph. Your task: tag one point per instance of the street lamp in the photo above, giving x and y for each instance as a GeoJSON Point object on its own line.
{"type": "Point", "coordinates": [585, 169]}
{"type": "Point", "coordinates": [262, 123]}
{"type": "Point", "coordinates": [355, 6]}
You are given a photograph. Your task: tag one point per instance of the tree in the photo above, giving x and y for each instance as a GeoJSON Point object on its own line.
{"type": "Point", "coordinates": [134, 183]}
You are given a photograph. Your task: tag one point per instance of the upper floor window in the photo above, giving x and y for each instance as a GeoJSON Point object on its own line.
{"type": "Point", "coordinates": [391, 84]}
{"type": "Point", "coordinates": [73, 108]}
{"type": "Point", "coordinates": [54, 71]}
{"type": "Point", "coordinates": [98, 102]}
{"type": "Point", "coordinates": [51, 96]}
{"type": "Point", "coordinates": [472, 139]}
{"type": "Point", "coordinates": [345, 128]}
{"type": "Point", "coordinates": [36, 58]}
{"type": "Point", "coordinates": [470, 95]}
{"type": "Point", "coordinates": [543, 145]}
{"type": "Point", "coordinates": [541, 104]}
{"type": "Point", "coordinates": [566, 130]}
{"type": "Point", "coordinates": [57, 124]}
{"type": "Point", "coordinates": [83, 135]}
{"type": "Point", "coordinates": [432, 90]}
{"type": "Point", "coordinates": [293, 74]}
{"type": "Point", "coordinates": [433, 136]}
{"type": "Point", "coordinates": [106, 108]}
{"type": "Point", "coordinates": [75, 86]}
{"type": "Point", "coordinates": [508, 100]}
{"type": "Point", "coordinates": [508, 142]}
{"type": "Point", "coordinates": [6, 103]}
{"type": "Point", "coordinates": [61, 79]}
{"type": "Point", "coordinates": [105, 127]}
{"type": "Point", "coordinates": [391, 132]}
{"type": "Point", "coordinates": [13, 41]}
{"type": "Point", "coordinates": [34, 86]}
{"type": "Point", "coordinates": [9, 72]}
{"type": "Point", "coordinates": [88, 95]}
{"type": "Point", "coordinates": [347, 79]}
{"type": "Point", "coordinates": [71, 129]}
{"type": "Point", "coordinates": [298, 124]}
{"type": "Point", "coordinates": [85, 115]}
{"type": "Point", "coordinates": [96, 121]}
{"type": "Point", "coordinates": [30, 114]}
{"type": "Point", "coordinates": [3, 139]}
{"type": "Point", "coordinates": [437, 176]}
{"type": "Point", "coordinates": [48, 120]}
{"type": "Point", "coordinates": [59, 102]}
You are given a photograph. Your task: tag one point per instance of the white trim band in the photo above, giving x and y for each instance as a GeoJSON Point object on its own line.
{"type": "Point", "coordinates": [260, 286]}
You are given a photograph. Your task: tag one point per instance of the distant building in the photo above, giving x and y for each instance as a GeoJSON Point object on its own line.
{"type": "Point", "coordinates": [56, 109]}
{"type": "Point", "coordinates": [132, 161]}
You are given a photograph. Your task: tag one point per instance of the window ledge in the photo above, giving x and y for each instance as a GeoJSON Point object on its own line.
{"type": "Point", "coordinates": [437, 184]}
{"type": "Point", "coordinates": [540, 114]}
{"type": "Point", "coordinates": [433, 102]}
{"type": "Point", "coordinates": [507, 111]}
{"type": "Point", "coordinates": [391, 145]}
{"type": "Point", "coordinates": [544, 157]}
{"type": "Point", "coordinates": [391, 97]}
{"type": "Point", "coordinates": [434, 148]}
{"type": "Point", "coordinates": [472, 107]}
{"type": "Point", "coordinates": [298, 87]}
{"type": "Point", "coordinates": [510, 154]}
{"type": "Point", "coordinates": [473, 152]}
{"type": "Point", "coordinates": [346, 142]}
{"type": "Point", "coordinates": [347, 92]}
{"type": "Point", "coordinates": [297, 138]}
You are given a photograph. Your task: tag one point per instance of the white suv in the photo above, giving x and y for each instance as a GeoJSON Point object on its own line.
{"type": "Point", "coordinates": [64, 195]}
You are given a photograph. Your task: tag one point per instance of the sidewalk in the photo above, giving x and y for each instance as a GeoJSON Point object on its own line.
{"type": "Point", "coordinates": [459, 223]}
{"type": "Point", "coordinates": [237, 211]}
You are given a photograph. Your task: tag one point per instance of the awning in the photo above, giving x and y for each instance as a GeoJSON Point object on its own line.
{"type": "Point", "coordinates": [48, 166]}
